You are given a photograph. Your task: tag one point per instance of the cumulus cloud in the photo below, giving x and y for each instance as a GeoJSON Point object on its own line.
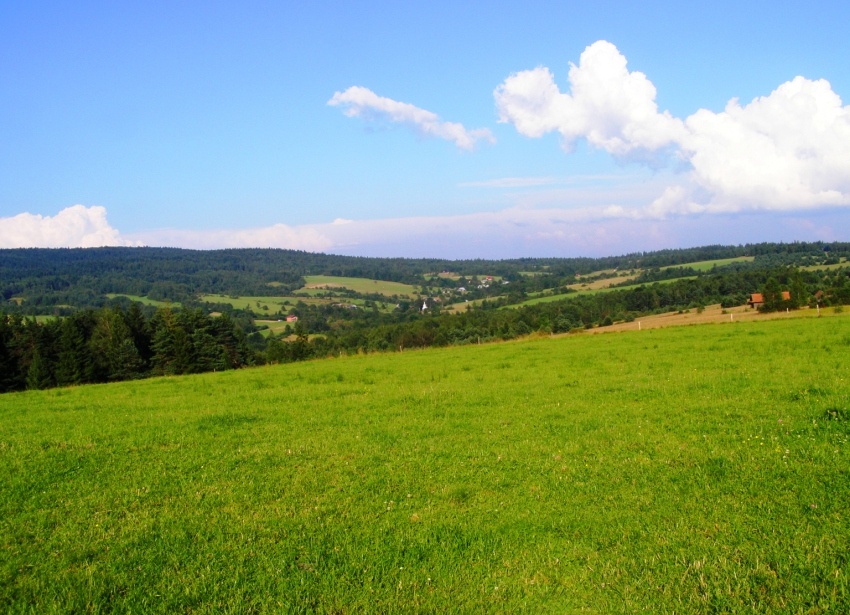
{"type": "Point", "coordinates": [612, 108]}
{"type": "Point", "coordinates": [362, 102]}
{"type": "Point", "coordinates": [74, 227]}
{"type": "Point", "coordinates": [785, 151]}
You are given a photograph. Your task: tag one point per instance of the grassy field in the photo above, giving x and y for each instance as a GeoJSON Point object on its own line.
{"type": "Point", "coordinates": [839, 265]}
{"type": "Point", "coordinates": [597, 284]}
{"type": "Point", "coordinates": [274, 326]}
{"type": "Point", "coordinates": [446, 275]}
{"type": "Point", "coordinates": [286, 304]}
{"type": "Point", "coordinates": [322, 283]}
{"type": "Point", "coordinates": [682, 470]}
{"type": "Point", "coordinates": [145, 300]}
{"type": "Point", "coordinates": [601, 286]}
{"type": "Point", "coordinates": [587, 283]}
{"type": "Point", "coordinates": [712, 314]}
{"type": "Point", "coordinates": [708, 265]}
{"type": "Point", "coordinates": [274, 304]}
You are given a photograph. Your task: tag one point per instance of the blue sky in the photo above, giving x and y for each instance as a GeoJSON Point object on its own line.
{"type": "Point", "coordinates": [440, 129]}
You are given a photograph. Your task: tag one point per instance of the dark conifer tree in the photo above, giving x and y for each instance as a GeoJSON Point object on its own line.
{"type": "Point", "coordinates": [115, 355]}
{"type": "Point", "coordinates": [140, 332]}
{"type": "Point", "coordinates": [163, 348]}
{"type": "Point", "coordinates": [772, 295]}
{"type": "Point", "coordinates": [38, 373]}
{"type": "Point", "coordinates": [74, 363]}
{"type": "Point", "coordinates": [9, 369]}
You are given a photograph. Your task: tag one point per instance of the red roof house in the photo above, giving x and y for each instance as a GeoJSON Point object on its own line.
{"type": "Point", "coordinates": [757, 299]}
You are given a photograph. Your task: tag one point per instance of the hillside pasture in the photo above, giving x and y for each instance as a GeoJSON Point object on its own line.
{"type": "Point", "coordinates": [363, 286]}
{"type": "Point", "coordinates": [592, 282]}
{"type": "Point", "coordinates": [274, 327]}
{"type": "Point", "coordinates": [601, 280]}
{"type": "Point", "coordinates": [678, 470]}
{"type": "Point", "coordinates": [275, 304]}
{"type": "Point", "coordinates": [834, 266]}
{"type": "Point", "coordinates": [443, 275]}
{"type": "Point", "coordinates": [712, 314]}
{"type": "Point", "coordinates": [547, 297]}
{"type": "Point", "coordinates": [145, 300]}
{"type": "Point", "coordinates": [709, 265]}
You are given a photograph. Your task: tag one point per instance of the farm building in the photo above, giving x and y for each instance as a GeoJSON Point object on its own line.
{"type": "Point", "coordinates": [757, 299]}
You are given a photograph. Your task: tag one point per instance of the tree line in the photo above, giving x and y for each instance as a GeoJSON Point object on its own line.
{"type": "Point", "coordinates": [334, 331]}
{"type": "Point", "coordinates": [125, 341]}
{"type": "Point", "coordinates": [111, 344]}
{"type": "Point", "coordinates": [81, 277]}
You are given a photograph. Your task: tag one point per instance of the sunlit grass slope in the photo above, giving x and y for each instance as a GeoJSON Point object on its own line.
{"type": "Point", "coordinates": [687, 470]}
{"type": "Point", "coordinates": [323, 283]}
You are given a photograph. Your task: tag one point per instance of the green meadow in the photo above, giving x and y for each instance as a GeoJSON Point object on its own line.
{"type": "Point", "coordinates": [364, 286]}
{"type": "Point", "coordinates": [274, 327]}
{"type": "Point", "coordinates": [594, 291]}
{"type": "Point", "coordinates": [842, 263]}
{"type": "Point", "coordinates": [255, 304]}
{"type": "Point", "coordinates": [701, 469]}
{"type": "Point", "coordinates": [708, 265]}
{"type": "Point", "coordinates": [550, 298]}
{"type": "Point", "coordinates": [145, 300]}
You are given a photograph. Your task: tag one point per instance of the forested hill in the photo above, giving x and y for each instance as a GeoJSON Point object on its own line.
{"type": "Point", "coordinates": [77, 316]}
{"type": "Point", "coordinates": [81, 277]}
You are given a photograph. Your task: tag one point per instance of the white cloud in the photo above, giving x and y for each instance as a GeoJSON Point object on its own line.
{"type": "Point", "coordinates": [785, 151]}
{"type": "Point", "coordinates": [474, 234]}
{"type": "Point", "coordinates": [308, 238]}
{"type": "Point", "coordinates": [362, 102]}
{"type": "Point", "coordinates": [544, 229]}
{"type": "Point", "coordinates": [610, 107]}
{"type": "Point", "coordinates": [73, 227]}
{"type": "Point", "coordinates": [599, 230]}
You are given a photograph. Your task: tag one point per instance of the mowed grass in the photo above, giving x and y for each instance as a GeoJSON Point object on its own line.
{"type": "Point", "coordinates": [832, 267]}
{"type": "Point", "coordinates": [605, 284]}
{"type": "Point", "coordinates": [275, 327]}
{"type": "Point", "coordinates": [715, 314]}
{"type": "Point", "coordinates": [603, 287]}
{"type": "Point", "coordinates": [323, 283]}
{"type": "Point", "coordinates": [275, 304]}
{"type": "Point", "coordinates": [684, 470]}
{"type": "Point", "coordinates": [708, 265]}
{"type": "Point", "coordinates": [145, 300]}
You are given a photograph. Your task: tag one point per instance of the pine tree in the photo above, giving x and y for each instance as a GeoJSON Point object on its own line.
{"type": "Point", "coordinates": [140, 331]}
{"type": "Point", "coordinates": [38, 374]}
{"type": "Point", "coordinates": [9, 368]}
{"type": "Point", "coordinates": [74, 360]}
{"type": "Point", "coordinates": [115, 355]}
{"type": "Point", "coordinates": [772, 295]}
{"type": "Point", "coordinates": [799, 293]}
{"type": "Point", "coordinates": [207, 352]}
